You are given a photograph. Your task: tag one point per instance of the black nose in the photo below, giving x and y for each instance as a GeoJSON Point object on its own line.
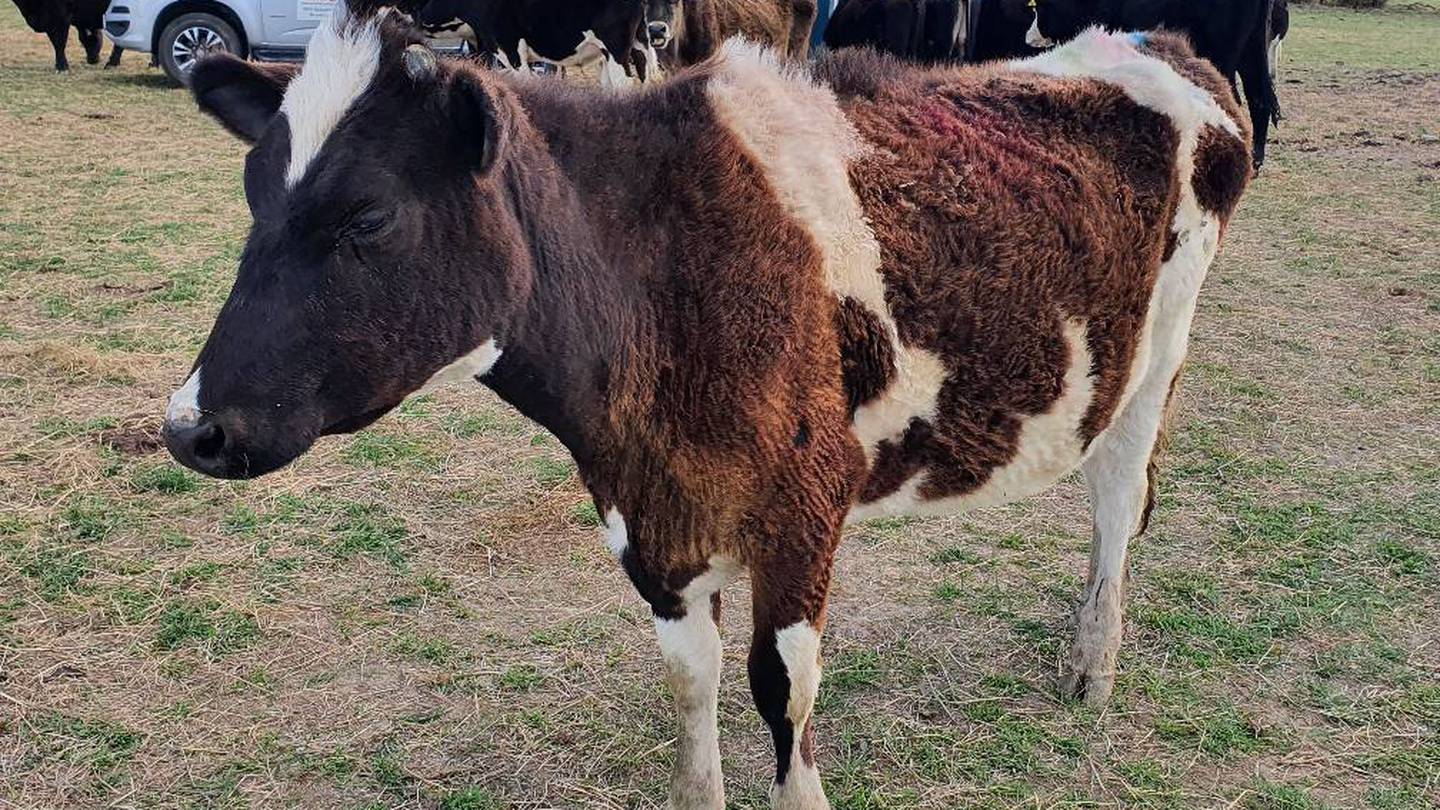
{"type": "Point", "coordinates": [203, 446]}
{"type": "Point", "coordinates": [659, 31]}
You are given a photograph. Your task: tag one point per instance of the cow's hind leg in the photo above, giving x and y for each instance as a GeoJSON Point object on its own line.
{"type": "Point", "coordinates": [1119, 475]}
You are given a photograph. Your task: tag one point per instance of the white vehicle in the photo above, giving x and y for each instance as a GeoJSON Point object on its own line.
{"type": "Point", "coordinates": [178, 32]}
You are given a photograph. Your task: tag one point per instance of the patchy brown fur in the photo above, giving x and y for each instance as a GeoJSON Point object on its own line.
{"type": "Point", "coordinates": [1022, 155]}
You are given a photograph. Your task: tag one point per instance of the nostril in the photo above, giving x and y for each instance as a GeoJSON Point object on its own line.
{"type": "Point", "coordinates": [209, 441]}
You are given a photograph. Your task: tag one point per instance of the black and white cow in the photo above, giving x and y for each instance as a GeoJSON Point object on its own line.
{"type": "Point", "coordinates": [561, 33]}
{"type": "Point", "coordinates": [54, 18]}
{"type": "Point", "coordinates": [914, 30]}
{"type": "Point", "coordinates": [1279, 29]}
{"type": "Point", "coordinates": [1233, 35]}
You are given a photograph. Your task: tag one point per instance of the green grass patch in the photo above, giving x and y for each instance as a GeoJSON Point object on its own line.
{"type": "Point", "coordinates": [204, 623]}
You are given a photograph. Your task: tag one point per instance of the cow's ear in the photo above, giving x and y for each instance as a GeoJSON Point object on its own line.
{"type": "Point", "coordinates": [242, 96]}
{"type": "Point", "coordinates": [484, 119]}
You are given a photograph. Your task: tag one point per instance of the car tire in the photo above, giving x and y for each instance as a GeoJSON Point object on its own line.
{"type": "Point", "coordinates": [191, 36]}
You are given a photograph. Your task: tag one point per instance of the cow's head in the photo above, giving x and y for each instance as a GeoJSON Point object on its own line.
{"type": "Point", "coordinates": [663, 20]}
{"type": "Point", "coordinates": [1059, 21]}
{"type": "Point", "coordinates": [382, 253]}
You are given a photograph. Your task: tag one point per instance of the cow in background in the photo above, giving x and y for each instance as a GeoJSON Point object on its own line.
{"type": "Point", "coordinates": [53, 18]}
{"type": "Point", "coordinates": [686, 32]}
{"type": "Point", "coordinates": [914, 30]}
{"type": "Point", "coordinates": [997, 30]}
{"type": "Point", "coordinates": [1279, 28]}
{"type": "Point", "coordinates": [561, 33]}
{"type": "Point", "coordinates": [1233, 36]}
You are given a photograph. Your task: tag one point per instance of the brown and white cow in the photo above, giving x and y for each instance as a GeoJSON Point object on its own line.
{"type": "Point", "coordinates": [755, 302]}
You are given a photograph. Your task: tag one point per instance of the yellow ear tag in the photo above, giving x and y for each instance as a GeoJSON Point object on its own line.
{"type": "Point", "coordinates": [1032, 3]}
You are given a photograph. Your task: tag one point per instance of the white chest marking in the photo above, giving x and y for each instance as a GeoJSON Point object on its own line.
{"type": "Point", "coordinates": [468, 368]}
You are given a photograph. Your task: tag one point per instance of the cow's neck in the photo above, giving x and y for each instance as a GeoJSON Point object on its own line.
{"type": "Point", "coordinates": [574, 349]}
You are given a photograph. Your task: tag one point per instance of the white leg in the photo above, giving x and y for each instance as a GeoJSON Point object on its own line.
{"type": "Point", "coordinates": [799, 649]}
{"type": "Point", "coordinates": [690, 647]}
{"type": "Point", "coordinates": [1117, 479]}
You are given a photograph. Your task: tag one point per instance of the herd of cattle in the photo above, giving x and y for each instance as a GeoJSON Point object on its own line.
{"type": "Point", "coordinates": [641, 39]}
{"type": "Point", "coordinates": [631, 38]}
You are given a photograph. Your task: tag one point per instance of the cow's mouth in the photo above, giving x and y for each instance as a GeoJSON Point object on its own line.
{"type": "Point", "coordinates": [659, 41]}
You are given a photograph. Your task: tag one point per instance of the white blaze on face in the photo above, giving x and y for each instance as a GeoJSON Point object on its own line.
{"type": "Point", "coordinates": [468, 368]}
{"type": "Point", "coordinates": [183, 411]}
{"type": "Point", "coordinates": [340, 62]}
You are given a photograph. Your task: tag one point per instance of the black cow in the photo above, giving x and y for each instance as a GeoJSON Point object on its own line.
{"type": "Point", "coordinates": [1233, 35]}
{"type": "Point", "coordinates": [562, 33]}
{"type": "Point", "coordinates": [997, 30]}
{"type": "Point", "coordinates": [53, 18]}
{"type": "Point", "coordinates": [916, 30]}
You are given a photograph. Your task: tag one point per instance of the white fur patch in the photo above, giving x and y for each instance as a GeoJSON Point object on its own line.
{"type": "Point", "coordinates": [1034, 38]}
{"type": "Point", "coordinates": [470, 367]}
{"type": "Point", "coordinates": [340, 62]}
{"type": "Point", "coordinates": [690, 647]}
{"type": "Point", "coordinates": [617, 539]}
{"type": "Point", "coordinates": [805, 144]}
{"type": "Point", "coordinates": [1149, 82]}
{"type": "Point", "coordinates": [183, 410]}
{"type": "Point", "coordinates": [799, 648]}
{"type": "Point", "coordinates": [1049, 447]}
{"type": "Point", "coordinates": [802, 789]}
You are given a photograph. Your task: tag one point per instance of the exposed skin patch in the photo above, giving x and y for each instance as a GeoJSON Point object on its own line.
{"type": "Point", "coordinates": [183, 409]}
{"type": "Point", "coordinates": [340, 62]}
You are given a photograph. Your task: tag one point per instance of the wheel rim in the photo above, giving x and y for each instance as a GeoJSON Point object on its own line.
{"type": "Point", "coordinates": [193, 43]}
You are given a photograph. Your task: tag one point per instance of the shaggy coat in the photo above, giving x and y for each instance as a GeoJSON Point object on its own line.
{"type": "Point", "coordinates": [754, 302]}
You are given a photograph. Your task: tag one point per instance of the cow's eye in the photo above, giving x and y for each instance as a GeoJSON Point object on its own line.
{"type": "Point", "coordinates": [365, 221]}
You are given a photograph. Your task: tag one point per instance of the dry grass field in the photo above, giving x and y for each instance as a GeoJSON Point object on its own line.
{"type": "Point", "coordinates": [422, 615]}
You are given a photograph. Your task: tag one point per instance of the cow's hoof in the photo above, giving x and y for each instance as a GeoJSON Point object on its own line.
{"type": "Point", "coordinates": [1094, 688]}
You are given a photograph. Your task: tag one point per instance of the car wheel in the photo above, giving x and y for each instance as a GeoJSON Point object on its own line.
{"type": "Point", "coordinates": [190, 37]}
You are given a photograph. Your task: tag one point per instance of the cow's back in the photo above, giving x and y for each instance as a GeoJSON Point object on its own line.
{"type": "Point", "coordinates": [1026, 217]}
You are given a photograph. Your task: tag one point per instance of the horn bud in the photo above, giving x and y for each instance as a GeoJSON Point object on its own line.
{"type": "Point", "coordinates": [419, 62]}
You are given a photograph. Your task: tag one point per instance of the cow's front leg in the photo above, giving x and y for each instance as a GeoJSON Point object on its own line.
{"type": "Point", "coordinates": [690, 647]}
{"type": "Point", "coordinates": [58, 37]}
{"type": "Point", "coordinates": [785, 669]}
{"type": "Point", "coordinates": [686, 617]}
{"type": "Point", "coordinates": [114, 60]}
